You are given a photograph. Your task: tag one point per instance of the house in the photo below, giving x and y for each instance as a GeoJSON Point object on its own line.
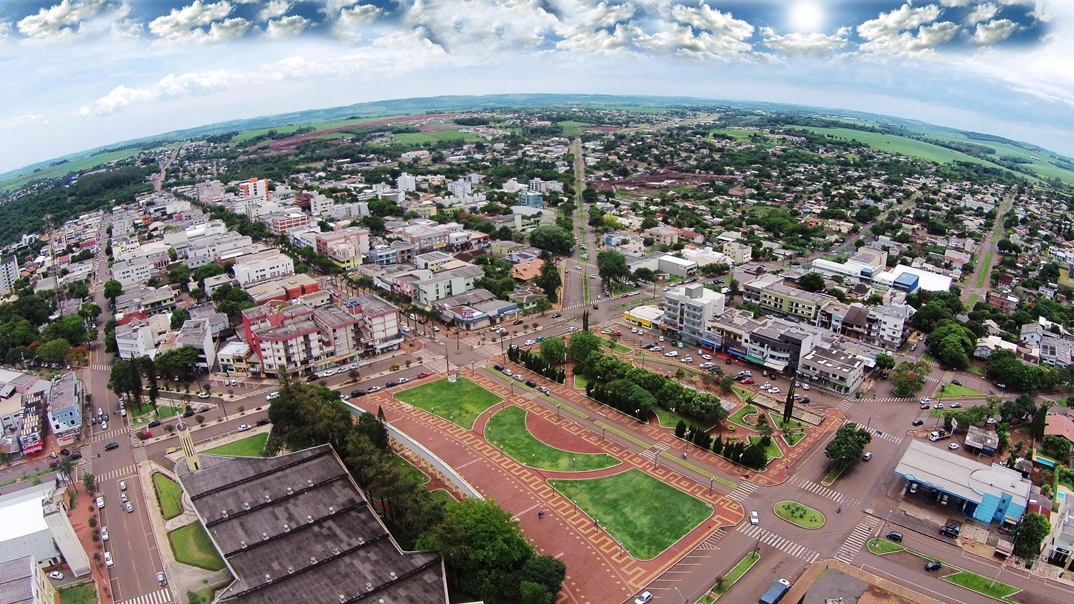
{"type": "Point", "coordinates": [527, 271]}
{"type": "Point", "coordinates": [65, 408]}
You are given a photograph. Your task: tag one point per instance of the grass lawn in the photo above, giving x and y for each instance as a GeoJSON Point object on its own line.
{"type": "Point", "coordinates": [506, 429]}
{"type": "Point", "coordinates": [985, 269]}
{"type": "Point", "coordinates": [580, 381]}
{"type": "Point", "coordinates": [899, 144]}
{"type": "Point", "coordinates": [793, 438]}
{"type": "Point", "coordinates": [951, 390]}
{"type": "Point", "coordinates": [742, 392]}
{"type": "Point", "coordinates": [669, 419]}
{"type": "Point", "coordinates": [82, 594]}
{"type": "Point", "coordinates": [971, 301]}
{"type": "Point", "coordinates": [248, 447]}
{"type": "Point", "coordinates": [730, 578]}
{"type": "Point", "coordinates": [169, 494]}
{"type": "Point", "coordinates": [802, 515]}
{"type": "Point", "coordinates": [776, 420]}
{"type": "Point", "coordinates": [191, 546]}
{"type": "Point", "coordinates": [982, 585]}
{"type": "Point", "coordinates": [883, 546]}
{"type": "Point", "coordinates": [409, 470]}
{"type": "Point", "coordinates": [615, 346]}
{"type": "Point", "coordinates": [738, 416]}
{"type": "Point", "coordinates": [772, 450]}
{"type": "Point", "coordinates": [144, 414]}
{"type": "Point", "coordinates": [459, 403]}
{"type": "Point", "coordinates": [442, 495]}
{"type": "Point", "coordinates": [832, 476]}
{"type": "Point", "coordinates": [927, 357]}
{"type": "Point", "coordinates": [645, 525]}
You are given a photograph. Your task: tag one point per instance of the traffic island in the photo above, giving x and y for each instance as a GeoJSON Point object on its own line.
{"type": "Point", "coordinates": [798, 514]}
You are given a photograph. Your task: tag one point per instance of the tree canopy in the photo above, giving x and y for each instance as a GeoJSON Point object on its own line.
{"type": "Point", "coordinates": [552, 239]}
{"type": "Point", "coordinates": [848, 444]}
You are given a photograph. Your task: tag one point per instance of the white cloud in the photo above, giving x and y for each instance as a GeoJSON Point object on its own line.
{"type": "Point", "coordinates": [981, 12]}
{"type": "Point", "coordinates": [893, 31]}
{"type": "Point", "coordinates": [22, 120]}
{"type": "Point", "coordinates": [274, 9]}
{"type": "Point", "coordinates": [359, 16]}
{"type": "Point", "coordinates": [994, 31]}
{"type": "Point", "coordinates": [199, 22]}
{"type": "Point", "coordinates": [286, 27]}
{"type": "Point", "coordinates": [956, 3]}
{"type": "Point", "coordinates": [815, 44]}
{"type": "Point", "coordinates": [681, 39]}
{"type": "Point", "coordinates": [722, 25]}
{"type": "Point", "coordinates": [59, 21]}
{"type": "Point", "coordinates": [585, 25]}
{"type": "Point", "coordinates": [5, 27]}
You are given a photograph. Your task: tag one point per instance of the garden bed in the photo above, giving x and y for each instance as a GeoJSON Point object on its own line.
{"type": "Point", "coordinates": [799, 514]}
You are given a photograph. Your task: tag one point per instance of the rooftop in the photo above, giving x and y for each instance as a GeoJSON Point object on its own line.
{"type": "Point", "coordinates": [16, 581]}
{"type": "Point", "coordinates": [376, 306]}
{"type": "Point", "coordinates": [961, 476]}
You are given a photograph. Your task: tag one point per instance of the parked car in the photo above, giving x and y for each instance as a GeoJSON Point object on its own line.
{"type": "Point", "coordinates": [391, 384]}
{"type": "Point", "coordinates": [805, 386]}
{"type": "Point", "coordinates": [754, 517]}
{"type": "Point", "coordinates": [104, 533]}
{"type": "Point", "coordinates": [868, 455]}
{"type": "Point", "coordinates": [357, 393]}
{"type": "Point", "coordinates": [531, 383]}
{"type": "Point", "coordinates": [956, 382]}
{"type": "Point", "coordinates": [895, 536]}
{"type": "Point", "coordinates": [77, 455]}
{"type": "Point", "coordinates": [518, 377]}
{"type": "Point", "coordinates": [264, 421]}
{"type": "Point", "coordinates": [57, 575]}
{"type": "Point", "coordinates": [956, 405]}
{"type": "Point", "coordinates": [953, 446]}
{"type": "Point", "coordinates": [129, 507]}
{"type": "Point", "coordinates": [204, 394]}
{"type": "Point", "coordinates": [161, 579]}
{"type": "Point", "coordinates": [243, 427]}
{"type": "Point", "coordinates": [918, 422]}
{"type": "Point", "coordinates": [123, 485]}
{"type": "Point", "coordinates": [933, 565]}
{"type": "Point", "coordinates": [518, 322]}
{"type": "Point", "coordinates": [153, 424]}
{"type": "Point", "coordinates": [108, 559]}
{"type": "Point", "coordinates": [403, 380]}
{"type": "Point", "coordinates": [100, 502]}
{"type": "Point", "coordinates": [747, 380]}
{"type": "Point", "coordinates": [203, 409]}
{"type": "Point", "coordinates": [423, 374]}
{"type": "Point", "coordinates": [644, 598]}
{"type": "Point", "coordinates": [65, 452]}
{"type": "Point", "coordinates": [529, 343]}
{"type": "Point", "coordinates": [373, 389]}
{"type": "Point", "coordinates": [188, 413]}
{"type": "Point", "coordinates": [543, 390]}
{"type": "Point", "coordinates": [272, 395]}
{"type": "Point", "coordinates": [557, 315]}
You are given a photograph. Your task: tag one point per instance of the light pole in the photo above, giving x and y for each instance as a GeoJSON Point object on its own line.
{"type": "Point", "coordinates": [557, 411]}
{"type": "Point", "coordinates": [602, 429]}
{"type": "Point", "coordinates": [711, 479]}
{"type": "Point", "coordinates": [680, 595]}
{"type": "Point", "coordinates": [447, 359]}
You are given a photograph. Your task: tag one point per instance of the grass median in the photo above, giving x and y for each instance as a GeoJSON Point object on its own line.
{"type": "Point", "coordinates": [799, 514]}
{"type": "Point", "coordinates": [251, 446]}
{"type": "Point", "coordinates": [459, 402]}
{"type": "Point", "coordinates": [191, 546]}
{"type": "Point", "coordinates": [169, 494]}
{"type": "Point", "coordinates": [507, 430]}
{"type": "Point", "coordinates": [728, 580]}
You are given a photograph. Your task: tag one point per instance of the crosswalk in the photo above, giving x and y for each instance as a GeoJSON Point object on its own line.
{"type": "Point", "coordinates": [888, 436]}
{"type": "Point", "coordinates": [573, 306]}
{"type": "Point", "coordinates": [785, 545]}
{"type": "Point", "coordinates": [823, 491]}
{"type": "Point", "coordinates": [742, 492]}
{"type": "Point", "coordinates": [161, 596]}
{"type": "Point", "coordinates": [99, 367]}
{"type": "Point", "coordinates": [140, 455]}
{"type": "Point", "coordinates": [713, 539]}
{"type": "Point", "coordinates": [110, 434]}
{"type": "Point", "coordinates": [857, 539]}
{"type": "Point", "coordinates": [656, 449]}
{"type": "Point", "coordinates": [844, 406]}
{"type": "Point", "coordinates": [124, 472]}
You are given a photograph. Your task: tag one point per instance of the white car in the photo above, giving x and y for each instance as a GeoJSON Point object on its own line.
{"type": "Point", "coordinates": [403, 380]}
{"type": "Point", "coordinates": [644, 598]}
{"type": "Point", "coordinates": [100, 502]}
{"type": "Point", "coordinates": [243, 427]}
{"type": "Point", "coordinates": [127, 506]}
{"type": "Point", "coordinates": [108, 559]}
{"type": "Point", "coordinates": [773, 390]}
{"type": "Point", "coordinates": [529, 343]}
{"type": "Point", "coordinates": [272, 395]}
{"type": "Point", "coordinates": [688, 359]}
{"type": "Point", "coordinates": [754, 518]}
{"type": "Point", "coordinates": [805, 386]}
{"type": "Point", "coordinates": [953, 446]}
{"type": "Point", "coordinates": [104, 533]}
{"type": "Point", "coordinates": [203, 395]}
{"type": "Point", "coordinates": [707, 357]}
{"type": "Point", "coordinates": [373, 389]}
{"type": "Point", "coordinates": [57, 575]}
{"type": "Point", "coordinates": [672, 353]}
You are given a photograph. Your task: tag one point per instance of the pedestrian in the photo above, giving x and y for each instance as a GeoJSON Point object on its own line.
{"type": "Point", "coordinates": [684, 455]}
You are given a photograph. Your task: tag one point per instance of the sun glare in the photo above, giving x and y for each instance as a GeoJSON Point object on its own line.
{"type": "Point", "coordinates": [806, 17]}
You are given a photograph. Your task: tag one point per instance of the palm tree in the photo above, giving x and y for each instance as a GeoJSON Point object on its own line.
{"type": "Point", "coordinates": [90, 482]}
{"type": "Point", "coordinates": [65, 468]}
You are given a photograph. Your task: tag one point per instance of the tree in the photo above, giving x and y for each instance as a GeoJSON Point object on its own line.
{"type": "Point", "coordinates": [54, 351]}
{"type": "Point", "coordinates": [928, 316]}
{"type": "Point", "coordinates": [552, 239]}
{"type": "Point", "coordinates": [112, 290]}
{"type": "Point", "coordinates": [885, 362]}
{"type": "Point", "coordinates": [908, 377]}
{"type": "Point", "coordinates": [147, 365]}
{"type": "Point", "coordinates": [179, 316]}
{"type": "Point", "coordinates": [179, 275]}
{"type": "Point", "coordinates": [553, 350]}
{"type": "Point", "coordinates": [542, 305]}
{"type": "Point", "coordinates": [89, 312]}
{"type": "Point", "coordinates": [612, 266]}
{"type": "Point", "coordinates": [90, 482]}
{"type": "Point", "coordinates": [582, 344]}
{"type": "Point", "coordinates": [951, 343]}
{"type": "Point", "coordinates": [1057, 446]}
{"type": "Point", "coordinates": [848, 444]}
{"type": "Point", "coordinates": [549, 280]}
{"type": "Point", "coordinates": [482, 544]}
{"type": "Point", "coordinates": [680, 429]}
{"type": "Point", "coordinates": [811, 282]}
{"type": "Point", "coordinates": [546, 571]}
{"type": "Point", "coordinates": [177, 362]}
{"type": "Point", "coordinates": [1030, 534]}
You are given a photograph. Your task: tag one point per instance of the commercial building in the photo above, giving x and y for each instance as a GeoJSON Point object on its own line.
{"type": "Point", "coordinates": [9, 273]}
{"type": "Point", "coordinates": [832, 367]}
{"type": "Point", "coordinates": [23, 581]}
{"type": "Point", "coordinates": [885, 326]}
{"type": "Point", "coordinates": [687, 310]}
{"type": "Point", "coordinates": [986, 493]}
{"type": "Point", "coordinates": [36, 524]}
{"type": "Point", "coordinates": [909, 280]}
{"type": "Point", "coordinates": [380, 323]}
{"type": "Point", "coordinates": [645, 315]}
{"type": "Point", "coordinates": [296, 528]}
{"type": "Point", "coordinates": [531, 199]}
{"type": "Point", "coordinates": [264, 266]}
{"type": "Point", "coordinates": [281, 222]}
{"type": "Point", "coordinates": [135, 340]}
{"type": "Point", "coordinates": [674, 265]}
{"type": "Point", "coordinates": [779, 344]}
{"type": "Point", "coordinates": [65, 408]}
{"type": "Point", "coordinates": [130, 272]}
{"type": "Point", "coordinates": [396, 252]}
{"type": "Point", "coordinates": [197, 334]}
{"type": "Point", "coordinates": [284, 289]}
{"type": "Point", "coordinates": [345, 248]}
{"type": "Point", "coordinates": [446, 283]}
{"type": "Point", "coordinates": [769, 292]}
{"type": "Point", "coordinates": [234, 358]}
{"type": "Point", "coordinates": [146, 300]}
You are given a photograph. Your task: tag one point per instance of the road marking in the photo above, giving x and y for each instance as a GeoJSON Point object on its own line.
{"type": "Point", "coordinates": [786, 545]}
{"type": "Point", "coordinates": [823, 491]}
{"type": "Point", "coordinates": [161, 596]}
{"type": "Point", "coordinates": [711, 542]}
{"type": "Point", "coordinates": [858, 537]}
{"type": "Point", "coordinates": [742, 491]}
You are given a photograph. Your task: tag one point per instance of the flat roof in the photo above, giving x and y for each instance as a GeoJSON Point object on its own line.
{"type": "Point", "coordinates": [927, 281]}
{"type": "Point", "coordinates": [645, 312]}
{"type": "Point", "coordinates": [961, 476]}
{"type": "Point", "coordinates": [22, 513]}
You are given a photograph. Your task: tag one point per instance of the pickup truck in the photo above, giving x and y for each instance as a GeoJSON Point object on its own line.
{"type": "Point", "coordinates": [939, 435]}
{"type": "Point", "coordinates": [775, 593]}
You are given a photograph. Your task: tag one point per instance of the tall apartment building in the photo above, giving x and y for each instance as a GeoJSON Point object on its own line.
{"type": "Point", "coordinates": [253, 188]}
{"type": "Point", "coordinates": [298, 339]}
{"type": "Point", "coordinates": [688, 309]}
{"type": "Point", "coordinates": [446, 283]}
{"type": "Point", "coordinates": [397, 252]}
{"type": "Point", "coordinates": [380, 323]}
{"type": "Point", "coordinates": [254, 268]}
{"type": "Point", "coordinates": [885, 326]}
{"type": "Point", "coordinates": [345, 248]}
{"type": "Point", "coordinates": [22, 581]}
{"type": "Point", "coordinates": [281, 222]}
{"type": "Point", "coordinates": [135, 340]}
{"type": "Point", "coordinates": [9, 273]}
{"type": "Point", "coordinates": [530, 199]}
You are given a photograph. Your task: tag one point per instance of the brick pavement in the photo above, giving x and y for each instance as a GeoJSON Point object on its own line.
{"type": "Point", "coordinates": [79, 516]}
{"type": "Point", "coordinates": [599, 571]}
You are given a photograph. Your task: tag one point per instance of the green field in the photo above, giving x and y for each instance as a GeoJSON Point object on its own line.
{"type": "Point", "coordinates": [883, 546]}
{"type": "Point", "coordinates": [580, 381]}
{"type": "Point", "coordinates": [644, 514]}
{"type": "Point", "coordinates": [459, 403]}
{"type": "Point", "coordinates": [772, 450]}
{"type": "Point", "coordinates": [169, 494]}
{"type": "Point", "coordinates": [799, 514]}
{"type": "Point", "coordinates": [952, 390]}
{"type": "Point", "coordinates": [985, 269]}
{"type": "Point", "coordinates": [506, 430]}
{"type": "Point", "coordinates": [191, 546]}
{"type": "Point", "coordinates": [80, 594]}
{"type": "Point", "coordinates": [670, 419]}
{"type": "Point", "coordinates": [418, 138]}
{"type": "Point", "coordinates": [75, 165]}
{"type": "Point", "coordinates": [443, 496]}
{"type": "Point", "coordinates": [776, 419]}
{"type": "Point", "coordinates": [902, 145]}
{"type": "Point", "coordinates": [738, 417]}
{"type": "Point", "coordinates": [1039, 159]}
{"type": "Point", "coordinates": [249, 134]}
{"type": "Point", "coordinates": [409, 470]}
{"type": "Point", "coordinates": [573, 129]}
{"type": "Point", "coordinates": [248, 447]}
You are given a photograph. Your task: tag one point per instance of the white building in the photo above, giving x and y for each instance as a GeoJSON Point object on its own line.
{"type": "Point", "coordinates": [9, 273]}
{"type": "Point", "coordinates": [135, 340]}
{"type": "Point", "coordinates": [406, 183]}
{"type": "Point", "coordinates": [380, 323]}
{"type": "Point", "coordinates": [320, 204]}
{"type": "Point", "coordinates": [739, 253]}
{"type": "Point", "coordinates": [262, 267]}
{"type": "Point", "coordinates": [131, 272]}
{"type": "Point", "coordinates": [35, 524]}
{"type": "Point", "coordinates": [687, 309]}
{"type": "Point", "coordinates": [832, 367]}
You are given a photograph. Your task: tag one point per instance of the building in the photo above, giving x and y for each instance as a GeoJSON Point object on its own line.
{"type": "Point", "coordinates": [253, 188]}
{"type": "Point", "coordinates": [1006, 302]}
{"type": "Point", "coordinates": [296, 528]}
{"type": "Point", "coordinates": [674, 265]}
{"type": "Point", "coordinates": [9, 273]}
{"type": "Point", "coordinates": [1056, 351]}
{"type": "Point", "coordinates": [281, 222]}
{"type": "Point", "coordinates": [146, 300]}
{"type": "Point", "coordinates": [340, 335]}
{"type": "Point", "coordinates": [662, 235]}
{"type": "Point", "coordinates": [255, 268]}
{"type": "Point", "coordinates": [65, 408]}
{"type": "Point", "coordinates": [284, 289]}
{"type": "Point", "coordinates": [884, 326]}
{"type": "Point", "coordinates": [30, 432]}
{"type": "Point", "coordinates": [234, 358]}
{"type": "Point", "coordinates": [909, 280]}
{"type": "Point", "coordinates": [446, 283]}
{"type": "Point", "coordinates": [380, 323]}
{"type": "Point", "coordinates": [345, 248]}
{"type": "Point", "coordinates": [197, 334]}
{"type": "Point", "coordinates": [778, 344]}
{"type": "Point", "coordinates": [731, 331]}
{"type": "Point", "coordinates": [531, 198]}
{"type": "Point", "coordinates": [397, 252]}
{"type": "Point", "coordinates": [739, 253]}
{"type": "Point", "coordinates": [769, 292]}
{"type": "Point", "coordinates": [35, 524]}
{"type": "Point", "coordinates": [832, 367]}
{"type": "Point", "coordinates": [644, 315]}
{"type": "Point", "coordinates": [687, 310]}
{"type": "Point", "coordinates": [131, 272]}
{"type": "Point", "coordinates": [23, 581]}
{"type": "Point", "coordinates": [135, 340]}
{"type": "Point", "coordinates": [986, 493]}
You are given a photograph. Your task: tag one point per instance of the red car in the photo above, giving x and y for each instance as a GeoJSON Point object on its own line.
{"type": "Point", "coordinates": [148, 434]}
{"type": "Point", "coordinates": [424, 374]}
{"type": "Point", "coordinates": [747, 381]}
{"type": "Point", "coordinates": [617, 333]}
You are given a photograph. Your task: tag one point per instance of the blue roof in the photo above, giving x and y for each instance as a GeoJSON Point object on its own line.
{"type": "Point", "coordinates": [907, 279]}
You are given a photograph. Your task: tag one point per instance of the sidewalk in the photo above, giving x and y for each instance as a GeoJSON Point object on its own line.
{"type": "Point", "coordinates": [79, 515]}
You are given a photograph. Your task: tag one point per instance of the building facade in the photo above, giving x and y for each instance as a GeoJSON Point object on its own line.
{"type": "Point", "coordinates": [688, 309]}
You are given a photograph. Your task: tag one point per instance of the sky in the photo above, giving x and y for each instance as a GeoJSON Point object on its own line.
{"type": "Point", "coordinates": [79, 74]}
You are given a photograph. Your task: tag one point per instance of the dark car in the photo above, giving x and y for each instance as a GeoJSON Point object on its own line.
{"type": "Point", "coordinates": [596, 306]}
{"type": "Point", "coordinates": [108, 447]}
{"type": "Point", "coordinates": [358, 392]}
{"type": "Point", "coordinates": [188, 413]}
{"type": "Point", "coordinates": [950, 530]}
{"type": "Point", "coordinates": [312, 378]}
{"type": "Point", "coordinates": [557, 315]}
{"type": "Point", "coordinates": [531, 383]}
{"type": "Point", "coordinates": [203, 408]}
{"type": "Point", "coordinates": [498, 367]}
{"type": "Point", "coordinates": [895, 536]}
{"type": "Point", "coordinates": [518, 322]}
{"type": "Point", "coordinates": [933, 565]}
{"type": "Point", "coordinates": [956, 382]}
{"type": "Point", "coordinates": [65, 451]}
{"type": "Point", "coordinates": [77, 455]}
{"type": "Point", "coordinates": [264, 421]}
{"type": "Point", "coordinates": [804, 399]}
{"type": "Point", "coordinates": [391, 383]}
{"type": "Point", "coordinates": [727, 362]}
{"type": "Point", "coordinates": [918, 422]}
{"type": "Point", "coordinates": [154, 423]}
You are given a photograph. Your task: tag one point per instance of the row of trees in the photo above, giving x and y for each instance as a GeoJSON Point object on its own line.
{"type": "Point", "coordinates": [536, 363]}
{"type": "Point", "coordinates": [487, 555]}
{"type": "Point", "coordinates": [848, 444]}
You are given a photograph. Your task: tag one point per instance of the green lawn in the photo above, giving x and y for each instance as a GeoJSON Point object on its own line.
{"type": "Point", "coordinates": [802, 515]}
{"type": "Point", "coordinates": [670, 419]}
{"type": "Point", "coordinates": [793, 438]}
{"type": "Point", "coordinates": [409, 470]}
{"type": "Point", "coordinates": [736, 573]}
{"type": "Point", "coordinates": [951, 390]}
{"type": "Point", "coordinates": [982, 585]}
{"type": "Point", "coordinates": [442, 495]}
{"type": "Point", "coordinates": [580, 381]}
{"type": "Point", "coordinates": [248, 447]}
{"type": "Point", "coordinates": [81, 594]}
{"type": "Point", "coordinates": [985, 271]}
{"type": "Point", "coordinates": [169, 494]}
{"type": "Point", "coordinates": [772, 450]}
{"type": "Point", "coordinates": [191, 546]}
{"type": "Point", "coordinates": [615, 346]}
{"type": "Point", "coordinates": [776, 420]}
{"type": "Point", "coordinates": [883, 546]}
{"type": "Point", "coordinates": [902, 145]}
{"type": "Point", "coordinates": [506, 430]}
{"type": "Point", "coordinates": [644, 514]}
{"type": "Point", "coordinates": [74, 165]}
{"type": "Point", "coordinates": [459, 403]}
{"type": "Point", "coordinates": [742, 392]}
{"type": "Point", "coordinates": [832, 476]}
{"type": "Point", "coordinates": [144, 414]}
{"type": "Point", "coordinates": [738, 417]}
{"type": "Point", "coordinates": [572, 129]}
{"type": "Point", "coordinates": [971, 301]}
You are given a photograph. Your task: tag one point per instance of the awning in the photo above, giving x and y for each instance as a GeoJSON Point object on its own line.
{"type": "Point", "coordinates": [753, 359]}
{"type": "Point", "coordinates": [777, 365]}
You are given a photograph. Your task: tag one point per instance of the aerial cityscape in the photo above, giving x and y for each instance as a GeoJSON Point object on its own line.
{"type": "Point", "coordinates": [565, 302]}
